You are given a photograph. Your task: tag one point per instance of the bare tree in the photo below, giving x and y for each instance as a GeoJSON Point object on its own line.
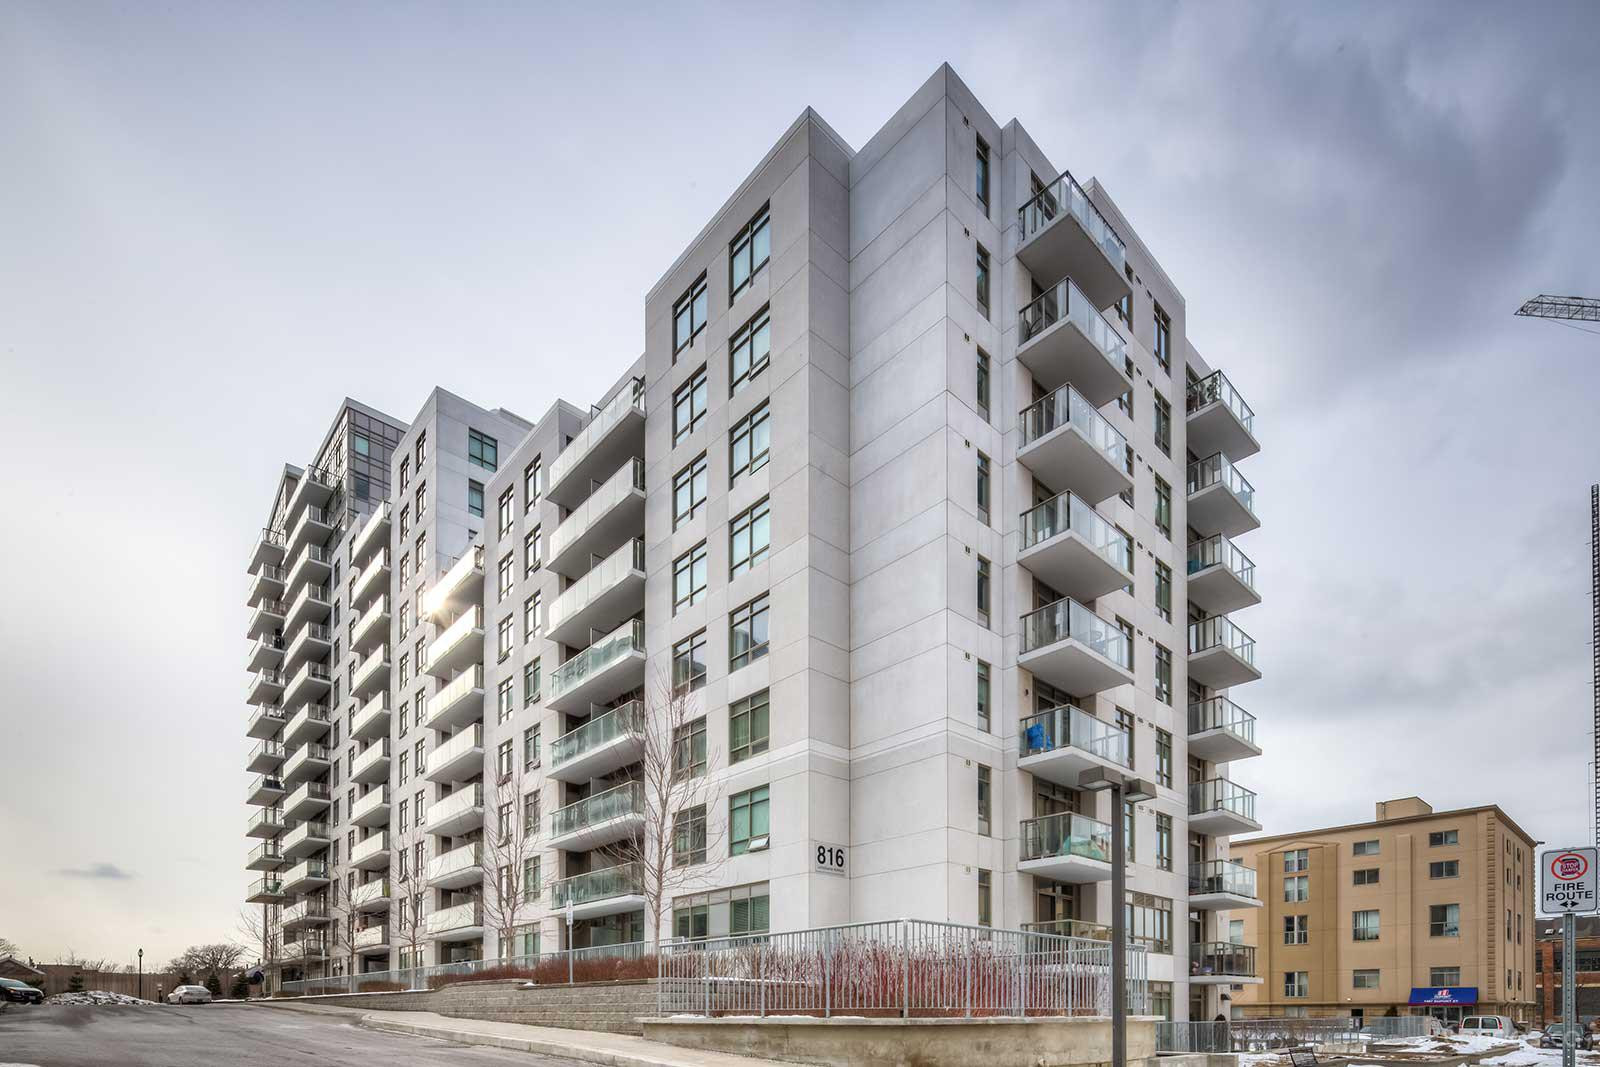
{"type": "Point", "coordinates": [8, 947]}
{"type": "Point", "coordinates": [262, 935]}
{"type": "Point", "coordinates": [674, 847]}
{"type": "Point", "coordinates": [510, 886]}
{"type": "Point", "coordinates": [406, 930]}
{"type": "Point", "coordinates": [342, 930]}
{"type": "Point", "coordinates": [208, 960]}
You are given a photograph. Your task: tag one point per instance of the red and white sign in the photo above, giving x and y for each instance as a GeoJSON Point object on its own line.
{"type": "Point", "coordinates": [1567, 881]}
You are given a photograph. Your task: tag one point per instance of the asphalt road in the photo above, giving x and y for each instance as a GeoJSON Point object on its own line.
{"type": "Point", "coordinates": [221, 1035]}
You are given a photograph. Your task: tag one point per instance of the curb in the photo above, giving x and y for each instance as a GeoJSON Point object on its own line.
{"type": "Point", "coordinates": [519, 1044]}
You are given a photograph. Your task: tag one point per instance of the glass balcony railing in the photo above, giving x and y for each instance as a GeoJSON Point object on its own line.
{"type": "Point", "coordinates": [601, 578]}
{"type": "Point", "coordinates": [307, 870]}
{"type": "Point", "coordinates": [623, 800]}
{"type": "Point", "coordinates": [453, 690]}
{"type": "Point", "coordinates": [457, 860]}
{"type": "Point", "coordinates": [1221, 795]}
{"type": "Point", "coordinates": [1064, 196]}
{"type": "Point", "coordinates": [1066, 407]}
{"type": "Point", "coordinates": [267, 851]}
{"type": "Point", "coordinates": [614, 646]}
{"type": "Point", "coordinates": [602, 729]}
{"type": "Point", "coordinates": [1222, 876]}
{"type": "Point", "coordinates": [1066, 301]}
{"type": "Point", "coordinates": [1220, 713]}
{"type": "Point", "coordinates": [469, 564]}
{"type": "Point", "coordinates": [463, 800]}
{"type": "Point", "coordinates": [1216, 469]}
{"type": "Point", "coordinates": [265, 819]}
{"type": "Point", "coordinates": [1222, 958]}
{"type": "Point", "coordinates": [455, 633]}
{"type": "Point", "coordinates": [304, 911]}
{"type": "Point", "coordinates": [1079, 928]}
{"type": "Point", "coordinates": [1215, 387]}
{"type": "Point", "coordinates": [1065, 512]}
{"type": "Point", "coordinates": [1218, 551]}
{"type": "Point", "coordinates": [371, 800]}
{"type": "Point", "coordinates": [623, 880]}
{"type": "Point", "coordinates": [459, 745]}
{"type": "Point", "coordinates": [629, 399]}
{"type": "Point", "coordinates": [370, 892]}
{"type": "Point", "coordinates": [308, 830]}
{"type": "Point", "coordinates": [1064, 835]}
{"type": "Point", "coordinates": [265, 678]}
{"type": "Point", "coordinates": [264, 783]}
{"type": "Point", "coordinates": [618, 487]}
{"type": "Point", "coordinates": [1068, 727]}
{"type": "Point", "coordinates": [264, 887]}
{"type": "Point", "coordinates": [1067, 618]}
{"type": "Point", "coordinates": [1219, 632]}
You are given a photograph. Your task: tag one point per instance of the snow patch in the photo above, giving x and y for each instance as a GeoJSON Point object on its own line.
{"type": "Point", "coordinates": [99, 997]}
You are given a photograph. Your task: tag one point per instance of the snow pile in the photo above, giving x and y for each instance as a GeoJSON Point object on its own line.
{"type": "Point", "coordinates": [98, 997]}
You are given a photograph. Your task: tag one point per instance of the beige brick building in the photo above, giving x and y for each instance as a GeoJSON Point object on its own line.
{"type": "Point", "coordinates": [1415, 912]}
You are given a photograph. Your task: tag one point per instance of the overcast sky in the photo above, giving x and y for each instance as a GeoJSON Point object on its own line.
{"type": "Point", "coordinates": [218, 219]}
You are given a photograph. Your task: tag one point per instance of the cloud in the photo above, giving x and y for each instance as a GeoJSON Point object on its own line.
{"type": "Point", "coordinates": [107, 871]}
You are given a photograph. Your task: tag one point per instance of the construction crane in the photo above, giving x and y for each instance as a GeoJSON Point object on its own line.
{"type": "Point", "coordinates": [1564, 310]}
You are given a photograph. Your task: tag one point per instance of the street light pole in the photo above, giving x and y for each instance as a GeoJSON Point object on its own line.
{"type": "Point", "coordinates": [1124, 790]}
{"type": "Point", "coordinates": [141, 974]}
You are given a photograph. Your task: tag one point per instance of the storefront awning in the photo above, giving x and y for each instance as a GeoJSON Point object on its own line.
{"type": "Point", "coordinates": [1444, 995]}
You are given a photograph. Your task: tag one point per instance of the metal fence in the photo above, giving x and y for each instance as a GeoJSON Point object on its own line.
{"type": "Point", "coordinates": [1193, 1037]}
{"type": "Point", "coordinates": [583, 964]}
{"type": "Point", "coordinates": [904, 967]}
{"type": "Point", "coordinates": [1262, 1035]}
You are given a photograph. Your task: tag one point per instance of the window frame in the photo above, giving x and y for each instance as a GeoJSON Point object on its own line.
{"type": "Point", "coordinates": [692, 394]}
{"type": "Point", "coordinates": [754, 615]}
{"type": "Point", "coordinates": [756, 423]}
{"type": "Point", "coordinates": [753, 709]}
{"type": "Point", "coordinates": [482, 450]}
{"type": "Point", "coordinates": [756, 329]}
{"type": "Point", "coordinates": [749, 242]}
{"type": "Point", "coordinates": [753, 522]}
{"type": "Point", "coordinates": [696, 300]}
{"type": "Point", "coordinates": [692, 476]}
{"type": "Point", "coordinates": [692, 566]}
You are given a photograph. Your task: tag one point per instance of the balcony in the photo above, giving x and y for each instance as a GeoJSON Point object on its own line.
{"type": "Point", "coordinates": [614, 435]}
{"type": "Point", "coordinates": [1218, 806]}
{"type": "Point", "coordinates": [458, 647]}
{"type": "Point", "coordinates": [1060, 233]}
{"type": "Point", "coordinates": [372, 721]}
{"type": "Point", "coordinates": [372, 764]}
{"type": "Point", "coordinates": [266, 856]}
{"type": "Point", "coordinates": [1060, 743]}
{"type": "Point", "coordinates": [1221, 654]}
{"type": "Point", "coordinates": [311, 643]}
{"type": "Point", "coordinates": [267, 619]}
{"type": "Point", "coordinates": [313, 603]}
{"type": "Point", "coordinates": [459, 867]}
{"type": "Point", "coordinates": [268, 822]}
{"type": "Point", "coordinates": [264, 790]}
{"type": "Point", "coordinates": [372, 581]}
{"type": "Point", "coordinates": [1079, 928]}
{"type": "Point", "coordinates": [265, 721]}
{"type": "Point", "coordinates": [373, 535]}
{"type": "Point", "coordinates": [1074, 649]}
{"type": "Point", "coordinates": [602, 598]}
{"type": "Point", "coordinates": [1062, 338]}
{"type": "Point", "coordinates": [307, 800]}
{"type": "Point", "coordinates": [312, 680]}
{"type": "Point", "coordinates": [309, 722]}
{"type": "Point", "coordinates": [305, 913]}
{"type": "Point", "coordinates": [372, 677]}
{"type": "Point", "coordinates": [371, 853]}
{"type": "Point", "coordinates": [600, 673]}
{"type": "Point", "coordinates": [372, 807]}
{"type": "Point", "coordinates": [599, 819]}
{"type": "Point", "coordinates": [1220, 500]}
{"type": "Point", "coordinates": [608, 891]}
{"type": "Point", "coordinates": [459, 758]}
{"type": "Point", "coordinates": [1068, 546]}
{"type": "Point", "coordinates": [1221, 731]}
{"type": "Point", "coordinates": [305, 839]}
{"type": "Point", "coordinates": [314, 489]}
{"type": "Point", "coordinates": [313, 564]}
{"type": "Point", "coordinates": [1222, 884]}
{"type": "Point", "coordinates": [373, 627]}
{"type": "Point", "coordinates": [459, 589]}
{"type": "Point", "coordinates": [1066, 847]}
{"type": "Point", "coordinates": [267, 550]}
{"type": "Point", "coordinates": [1067, 444]}
{"type": "Point", "coordinates": [610, 515]}
{"type": "Point", "coordinates": [1222, 963]}
{"type": "Point", "coordinates": [372, 939]}
{"type": "Point", "coordinates": [267, 583]}
{"type": "Point", "coordinates": [371, 896]}
{"type": "Point", "coordinates": [312, 528]}
{"type": "Point", "coordinates": [305, 875]}
{"type": "Point", "coordinates": [462, 922]}
{"type": "Point", "coordinates": [1221, 578]}
{"type": "Point", "coordinates": [607, 742]}
{"type": "Point", "coordinates": [458, 702]}
{"type": "Point", "coordinates": [305, 950]}
{"type": "Point", "coordinates": [1219, 420]}
{"type": "Point", "coordinates": [264, 891]}
{"type": "Point", "coordinates": [265, 757]}
{"type": "Point", "coordinates": [310, 760]}
{"type": "Point", "coordinates": [266, 653]}
{"type": "Point", "coordinates": [457, 813]}
{"type": "Point", "coordinates": [264, 687]}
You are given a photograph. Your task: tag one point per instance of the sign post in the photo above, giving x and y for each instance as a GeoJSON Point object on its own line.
{"type": "Point", "coordinates": [1568, 884]}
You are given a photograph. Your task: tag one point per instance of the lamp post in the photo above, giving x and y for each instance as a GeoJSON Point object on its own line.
{"type": "Point", "coordinates": [141, 974]}
{"type": "Point", "coordinates": [1124, 790]}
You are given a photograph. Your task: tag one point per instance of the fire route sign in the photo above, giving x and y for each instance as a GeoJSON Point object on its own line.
{"type": "Point", "coordinates": [1569, 881]}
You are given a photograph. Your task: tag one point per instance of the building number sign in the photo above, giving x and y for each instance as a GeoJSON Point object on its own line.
{"type": "Point", "coordinates": [828, 859]}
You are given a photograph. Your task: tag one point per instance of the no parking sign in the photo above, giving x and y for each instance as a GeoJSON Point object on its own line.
{"type": "Point", "coordinates": [1569, 883]}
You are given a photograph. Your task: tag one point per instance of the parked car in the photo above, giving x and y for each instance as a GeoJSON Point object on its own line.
{"type": "Point", "coordinates": [21, 992]}
{"type": "Point", "coordinates": [189, 994]}
{"type": "Point", "coordinates": [1557, 1035]}
{"type": "Point", "coordinates": [1489, 1026]}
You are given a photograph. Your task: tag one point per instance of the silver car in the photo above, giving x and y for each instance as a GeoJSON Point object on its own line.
{"type": "Point", "coordinates": [189, 994]}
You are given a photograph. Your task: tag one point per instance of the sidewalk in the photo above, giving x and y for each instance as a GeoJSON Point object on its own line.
{"type": "Point", "coordinates": [588, 1046]}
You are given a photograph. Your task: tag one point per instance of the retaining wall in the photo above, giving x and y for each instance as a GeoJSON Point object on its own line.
{"type": "Point", "coordinates": [613, 1007]}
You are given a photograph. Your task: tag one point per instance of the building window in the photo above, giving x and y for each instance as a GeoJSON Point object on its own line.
{"type": "Point", "coordinates": [748, 726]}
{"type": "Point", "coordinates": [689, 578]}
{"type": "Point", "coordinates": [749, 443]}
{"type": "Point", "coordinates": [1296, 984]}
{"type": "Point", "coordinates": [985, 799]}
{"type": "Point", "coordinates": [983, 281]}
{"type": "Point", "coordinates": [405, 472]}
{"type": "Point", "coordinates": [689, 836]}
{"type": "Point", "coordinates": [1126, 721]}
{"type": "Point", "coordinates": [749, 536]}
{"type": "Point", "coordinates": [1364, 848]}
{"type": "Point", "coordinates": [1366, 876]}
{"type": "Point", "coordinates": [503, 512]}
{"type": "Point", "coordinates": [503, 759]}
{"type": "Point", "coordinates": [688, 316]}
{"type": "Point", "coordinates": [405, 521]}
{"type": "Point", "coordinates": [689, 749]}
{"type": "Point", "coordinates": [1163, 758]}
{"type": "Point", "coordinates": [749, 251]}
{"type": "Point", "coordinates": [1163, 674]}
{"type": "Point", "coordinates": [421, 498]}
{"type": "Point", "coordinates": [1126, 496]}
{"type": "Point", "coordinates": [750, 351]}
{"type": "Point", "coordinates": [530, 617]}
{"type": "Point", "coordinates": [1296, 859]}
{"type": "Point", "coordinates": [983, 488]}
{"type": "Point", "coordinates": [983, 696]}
{"type": "Point", "coordinates": [1163, 506]}
{"type": "Point", "coordinates": [503, 638]}
{"type": "Point", "coordinates": [1162, 348]}
{"type": "Point", "coordinates": [1437, 838]}
{"type": "Point", "coordinates": [748, 826]}
{"type": "Point", "coordinates": [1163, 424]}
{"type": "Point", "coordinates": [530, 682]}
{"type": "Point", "coordinates": [1296, 929]}
{"type": "Point", "coordinates": [980, 181]}
{"type": "Point", "coordinates": [422, 449]}
{"type": "Point", "coordinates": [983, 591]}
{"type": "Point", "coordinates": [1364, 925]}
{"type": "Point", "coordinates": [747, 632]}
{"type": "Point", "coordinates": [688, 491]}
{"type": "Point", "coordinates": [689, 663]}
{"type": "Point", "coordinates": [1444, 869]}
{"type": "Point", "coordinates": [530, 484]}
{"type": "Point", "coordinates": [1440, 977]}
{"type": "Point", "coordinates": [1444, 920]}
{"type": "Point", "coordinates": [1164, 591]}
{"type": "Point", "coordinates": [1364, 979]}
{"type": "Point", "coordinates": [1163, 841]}
{"type": "Point", "coordinates": [530, 802]}
{"type": "Point", "coordinates": [743, 910]}
{"type": "Point", "coordinates": [505, 572]}
{"type": "Point", "coordinates": [1149, 921]}
{"type": "Point", "coordinates": [483, 450]}
{"type": "Point", "coordinates": [985, 897]}
{"type": "Point", "coordinates": [503, 699]}
{"type": "Point", "coordinates": [530, 758]}
{"type": "Point", "coordinates": [1297, 889]}
{"type": "Point", "coordinates": [474, 500]}
{"type": "Point", "coordinates": [532, 551]}
{"type": "Point", "coordinates": [689, 406]}
{"type": "Point", "coordinates": [983, 384]}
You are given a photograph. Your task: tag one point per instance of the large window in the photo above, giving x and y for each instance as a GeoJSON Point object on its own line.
{"type": "Point", "coordinates": [983, 488]}
{"type": "Point", "coordinates": [984, 591]}
{"type": "Point", "coordinates": [503, 642]}
{"type": "Point", "coordinates": [1297, 888]}
{"type": "Point", "coordinates": [474, 500]}
{"type": "Point", "coordinates": [483, 450]}
{"type": "Point", "coordinates": [983, 384]}
{"type": "Point", "coordinates": [1296, 984]}
{"type": "Point", "coordinates": [1163, 425]}
{"type": "Point", "coordinates": [1163, 758]}
{"type": "Point", "coordinates": [1163, 673]}
{"type": "Point", "coordinates": [1444, 869]}
{"type": "Point", "coordinates": [689, 836]}
{"type": "Point", "coordinates": [748, 821]}
{"type": "Point", "coordinates": [748, 726]}
{"type": "Point", "coordinates": [1163, 339]}
{"type": "Point", "coordinates": [689, 663]}
{"type": "Point", "coordinates": [1364, 925]}
{"type": "Point", "coordinates": [983, 696]}
{"type": "Point", "coordinates": [985, 897]}
{"type": "Point", "coordinates": [689, 578]}
{"type": "Point", "coordinates": [504, 705]}
{"type": "Point", "coordinates": [1365, 876]}
{"type": "Point", "coordinates": [980, 178]}
{"type": "Point", "coordinates": [1444, 976]}
{"type": "Point", "coordinates": [1296, 929]}
{"type": "Point", "coordinates": [688, 316]}
{"type": "Point", "coordinates": [749, 443]}
{"type": "Point", "coordinates": [982, 287]}
{"type": "Point", "coordinates": [1163, 841]}
{"type": "Point", "coordinates": [530, 617]}
{"type": "Point", "coordinates": [1444, 920]}
{"type": "Point", "coordinates": [1364, 848]}
{"type": "Point", "coordinates": [749, 537]}
{"type": "Point", "coordinates": [530, 682]}
{"type": "Point", "coordinates": [1163, 591]}
{"type": "Point", "coordinates": [1296, 859]}
{"type": "Point", "coordinates": [1149, 921]}
{"type": "Point", "coordinates": [689, 406]}
{"type": "Point", "coordinates": [532, 551]}
{"type": "Point", "coordinates": [732, 912]}
{"type": "Point", "coordinates": [504, 512]}
{"type": "Point", "coordinates": [1443, 837]}
{"type": "Point", "coordinates": [1364, 978]}
{"type": "Point", "coordinates": [688, 491]}
{"type": "Point", "coordinates": [503, 758]}
{"type": "Point", "coordinates": [747, 632]}
{"type": "Point", "coordinates": [530, 485]}
{"type": "Point", "coordinates": [504, 574]}
{"type": "Point", "coordinates": [985, 799]}
{"type": "Point", "coordinates": [689, 749]}
{"type": "Point", "coordinates": [750, 350]}
{"type": "Point", "coordinates": [1163, 506]}
{"type": "Point", "coordinates": [749, 251]}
